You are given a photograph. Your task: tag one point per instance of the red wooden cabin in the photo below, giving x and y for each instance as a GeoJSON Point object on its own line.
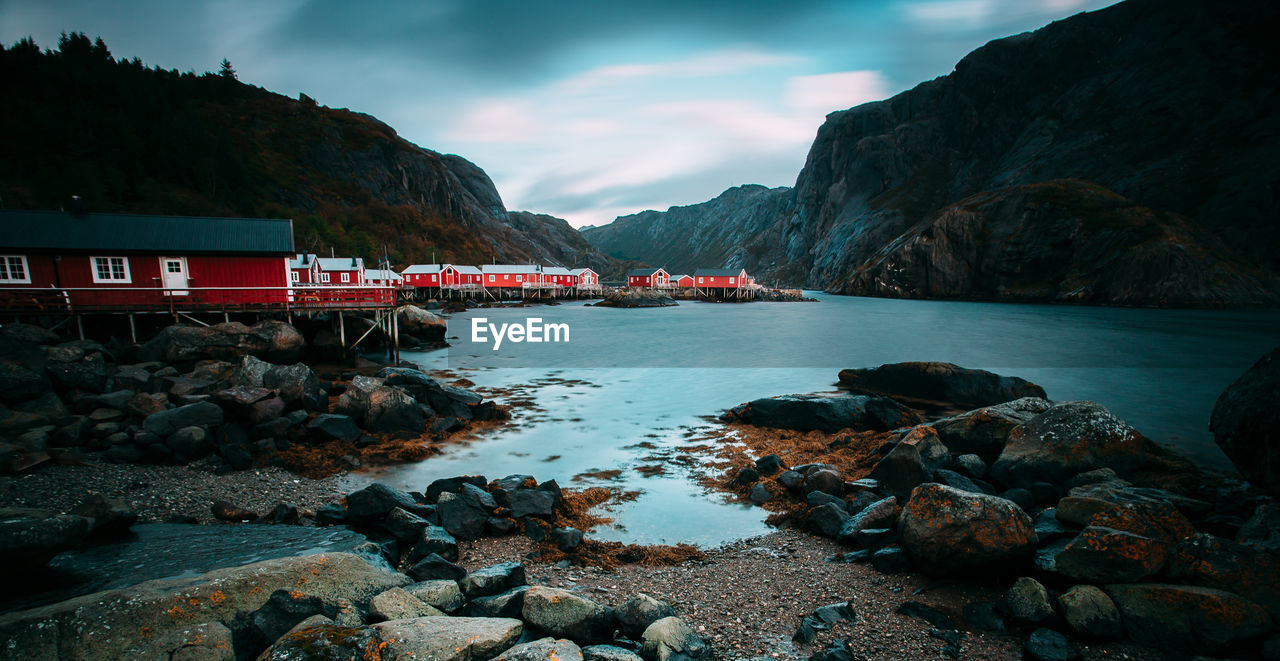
{"type": "Point", "coordinates": [86, 261]}
{"type": "Point", "coordinates": [511, 275]}
{"type": "Point", "coordinates": [683, 281]}
{"type": "Point", "coordinates": [304, 269]}
{"type": "Point", "coordinates": [341, 271]}
{"type": "Point", "coordinates": [720, 278]}
{"type": "Point", "coordinates": [558, 276]}
{"type": "Point", "coordinates": [647, 278]}
{"type": "Point", "coordinates": [585, 278]}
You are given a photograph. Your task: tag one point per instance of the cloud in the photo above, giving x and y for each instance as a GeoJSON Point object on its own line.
{"type": "Point", "coordinates": [949, 12]}
{"type": "Point", "coordinates": [833, 91]}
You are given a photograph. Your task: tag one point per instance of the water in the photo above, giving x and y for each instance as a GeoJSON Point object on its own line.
{"type": "Point", "coordinates": [631, 387]}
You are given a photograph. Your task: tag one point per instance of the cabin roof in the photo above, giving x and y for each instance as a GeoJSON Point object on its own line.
{"type": "Point", "coordinates": [643, 273]}
{"type": "Point", "coordinates": [469, 270]}
{"type": "Point", "coordinates": [134, 233]}
{"type": "Point", "coordinates": [341, 263]}
{"type": "Point", "coordinates": [381, 274]}
{"type": "Point", "coordinates": [580, 271]}
{"type": "Point", "coordinates": [556, 270]}
{"type": "Point", "coordinates": [422, 268]}
{"type": "Point", "coordinates": [718, 273]}
{"type": "Point", "coordinates": [297, 262]}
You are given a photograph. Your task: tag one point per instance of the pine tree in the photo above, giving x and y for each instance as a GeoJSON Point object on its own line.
{"type": "Point", "coordinates": [226, 70]}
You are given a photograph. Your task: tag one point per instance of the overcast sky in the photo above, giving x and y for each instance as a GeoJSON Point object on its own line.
{"type": "Point", "coordinates": [583, 109]}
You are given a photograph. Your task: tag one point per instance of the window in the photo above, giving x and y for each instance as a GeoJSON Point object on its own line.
{"type": "Point", "coordinates": [346, 277]}
{"type": "Point", "coordinates": [324, 277]}
{"type": "Point", "coordinates": [730, 280]}
{"type": "Point", "coordinates": [110, 269]}
{"type": "Point", "coordinates": [13, 268]}
{"type": "Point", "coordinates": [699, 279]}
{"type": "Point", "coordinates": [519, 278]}
{"type": "Point", "coordinates": [490, 277]}
{"type": "Point", "coordinates": [293, 275]}
{"type": "Point", "coordinates": [433, 278]}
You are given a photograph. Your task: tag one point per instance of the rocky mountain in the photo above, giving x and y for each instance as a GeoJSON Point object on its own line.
{"type": "Point", "coordinates": [553, 241]}
{"type": "Point", "coordinates": [126, 137]}
{"type": "Point", "coordinates": [681, 239]}
{"type": "Point", "coordinates": [1165, 107]}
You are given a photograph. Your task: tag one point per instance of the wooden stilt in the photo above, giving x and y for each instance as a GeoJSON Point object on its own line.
{"type": "Point", "coordinates": [133, 330]}
{"type": "Point", "coordinates": [80, 326]}
{"type": "Point", "coordinates": [342, 331]}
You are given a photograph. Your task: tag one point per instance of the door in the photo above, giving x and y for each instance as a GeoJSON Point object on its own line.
{"type": "Point", "coordinates": [173, 275]}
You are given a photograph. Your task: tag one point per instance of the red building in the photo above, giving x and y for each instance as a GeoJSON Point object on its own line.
{"type": "Point", "coordinates": [304, 269]}
{"type": "Point", "coordinates": [124, 261]}
{"type": "Point", "coordinates": [558, 276]}
{"type": "Point", "coordinates": [682, 281]}
{"type": "Point", "coordinates": [720, 278]}
{"type": "Point", "coordinates": [383, 278]}
{"type": "Point", "coordinates": [585, 278]}
{"type": "Point", "coordinates": [341, 271]}
{"type": "Point", "coordinates": [647, 278]}
{"type": "Point", "coordinates": [511, 275]}
{"type": "Point", "coordinates": [441, 275]}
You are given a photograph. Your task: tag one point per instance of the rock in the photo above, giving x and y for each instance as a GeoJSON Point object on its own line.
{"type": "Point", "coordinates": [191, 442]}
{"type": "Point", "coordinates": [295, 383]}
{"type": "Point", "coordinates": [564, 614]}
{"type": "Point", "coordinates": [507, 604]}
{"type": "Point", "coordinates": [333, 427]}
{"type": "Point", "coordinates": [1159, 521]}
{"type": "Point", "coordinates": [982, 616]}
{"type": "Point", "coordinates": [420, 323]}
{"type": "Point", "coordinates": [891, 560]}
{"type": "Point", "coordinates": [1263, 527]}
{"type": "Point", "coordinates": [270, 340]}
{"type": "Point", "coordinates": [637, 613]}
{"type": "Point", "coordinates": [285, 514]}
{"type": "Point", "coordinates": [542, 649]}
{"type": "Point", "coordinates": [285, 610]}
{"type": "Point", "coordinates": [109, 516]}
{"type": "Point", "coordinates": [927, 613]}
{"type": "Point", "coordinates": [442, 594]}
{"type": "Point", "coordinates": [958, 481]}
{"type": "Point", "coordinates": [1068, 438]}
{"type": "Point", "coordinates": [829, 414]}
{"type": "Point", "coordinates": [985, 431]}
{"type": "Point", "coordinates": [1245, 419]}
{"type": "Point", "coordinates": [225, 511]}
{"type": "Point", "coordinates": [901, 470]}
{"type": "Point", "coordinates": [608, 653]}
{"type": "Point", "coordinates": [322, 642]}
{"type": "Point", "coordinates": [1249, 571]}
{"type": "Point", "coordinates": [209, 641]}
{"type": "Point", "coordinates": [939, 382]}
{"type": "Point", "coordinates": [399, 604]}
{"type": "Point", "coordinates": [1027, 601]}
{"type": "Point", "coordinates": [447, 638]}
{"type": "Point", "coordinates": [434, 539]}
{"type": "Point", "coordinates": [760, 494]}
{"type": "Point", "coordinates": [88, 373]}
{"type": "Point", "coordinates": [933, 454]}
{"type": "Point", "coordinates": [1105, 555]}
{"type": "Point", "coordinates": [971, 465]}
{"type": "Point", "coordinates": [880, 514]}
{"type": "Point", "coordinates": [566, 539]}
{"type": "Point", "coordinates": [1020, 497]}
{"type": "Point", "coordinates": [127, 619]}
{"type": "Point", "coordinates": [435, 567]}
{"type": "Point", "coordinates": [201, 414]}
{"type": "Point", "coordinates": [671, 638]}
{"type": "Point", "coordinates": [376, 501]}
{"type": "Point", "coordinates": [827, 520]}
{"type": "Point", "coordinates": [1090, 612]}
{"type": "Point", "coordinates": [769, 464]}
{"type": "Point", "coordinates": [494, 579]}
{"type": "Point", "coordinates": [790, 479]}
{"type": "Point", "coordinates": [948, 531]}
{"type": "Point", "coordinates": [874, 538]}
{"type": "Point", "coordinates": [1049, 645]}
{"type": "Point", "coordinates": [1050, 528]}
{"type": "Point", "coordinates": [405, 526]}
{"type": "Point", "coordinates": [460, 517]}
{"type": "Point", "coordinates": [1186, 619]}
{"type": "Point", "coordinates": [30, 538]}
{"type": "Point", "coordinates": [392, 410]}
{"type": "Point", "coordinates": [746, 476]}
{"type": "Point", "coordinates": [530, 502]}
{"type": "Point", "coordinates": [18, 383]}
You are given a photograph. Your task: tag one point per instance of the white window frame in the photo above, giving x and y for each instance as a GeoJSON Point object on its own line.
{"type": "Point", "coordinates": [324, 277]}
{"type": "Point", "coordinates": [93, 270]}
{"type": "Point", "coordinates": [490, 277]}
{"type": "Point", "coordinates": [26, 270]}
{"type": "Point", "coordinates": [344, 276]}
{"type": "Point", "coordinates": [295, 276]}
{"type": "Point", "coordinates": [519, 278]}
{"type": "Point", "coordinates": [731, 279]}
{"type": "Point", "coordinates": [699, 279]}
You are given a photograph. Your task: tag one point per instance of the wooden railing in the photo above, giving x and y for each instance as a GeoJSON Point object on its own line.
{"type": "Point", "coordinates": [193, 299]}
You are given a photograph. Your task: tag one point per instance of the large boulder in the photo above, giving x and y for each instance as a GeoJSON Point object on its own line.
{"type": "Point", "coordinates": [30, 538]}
{"type": "Point", "coordinates": [1069, 438]}
{"type": "Point", "coordinates": [421, 324]}
{"type": "Point", "coordinates": [1106, 555]}
{"type": "Point", "coordinates": [1249, 571]}
{"type": "Point", "coordinates": [392, 409]}
{"type": "Point", "coordinates": [543, 649]}
{"type": "Point", "coordinates": [671, 639]}
{"type": "Point", "coordinates": [117, 623]}
{"type": "Point", "coordinates": [637, 613]}
{"type": "Point", "coordinates": [1246, 422]}
{"type": "Point", "coordinates": [825, 413]}
{"type": "Point", "coordinates": [494, 579]}
{"type": "Point", "coordinates": [273, 341]}
{"type": "Point", "coordinates": [939, 382]}
{"type": "Point", "coordinates": [1090, 612]}
{"type": "Point", "coordinates": [1186, 619]}
{"type": "Point", "coordinates": [447, 638]}
{"type": "Point", "coordinates": [200, 414]}
{"type": "Point", "coordinates": [564, 614]}
{"type": "Point", "coordinates": [295, 383]}
{"type": "Point", "coordinates": [463, 518]}
{"type": "Point", "coordinates": [984, 431]}
{"type": "Point", "coordinates": [949, 531]}
{"type": "Point", "coordinates": [376, 501]}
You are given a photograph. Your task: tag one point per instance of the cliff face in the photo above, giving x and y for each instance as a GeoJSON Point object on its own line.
{"type": "Point", "coordinates": [1168, 104]}
{"type": "Point", "coordinates": [710, 234]}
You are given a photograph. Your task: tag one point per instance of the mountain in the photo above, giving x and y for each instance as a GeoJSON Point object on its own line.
{"type": "Point", "coordinates": [683, 238]}
{"type": "Point", "coordinates": [553, 241]}
{"type": "Point", "coordinates": [130, 138]}
{"type": "Point", "coordinates": [1167, 108]}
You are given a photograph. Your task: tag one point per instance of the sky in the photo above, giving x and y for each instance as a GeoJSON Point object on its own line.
{"type": "Point", "coordinates": [582, 109]}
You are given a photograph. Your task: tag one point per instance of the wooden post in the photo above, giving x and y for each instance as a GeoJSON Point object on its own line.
{"type": "Point", "coordinates": [342, 331]}
{"type": "Point", "coordinates": [80, 326]}
{"type": "Point", "coordinates": [133, 331]}
{"type": "Point", "coordinates": [395, 335]}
